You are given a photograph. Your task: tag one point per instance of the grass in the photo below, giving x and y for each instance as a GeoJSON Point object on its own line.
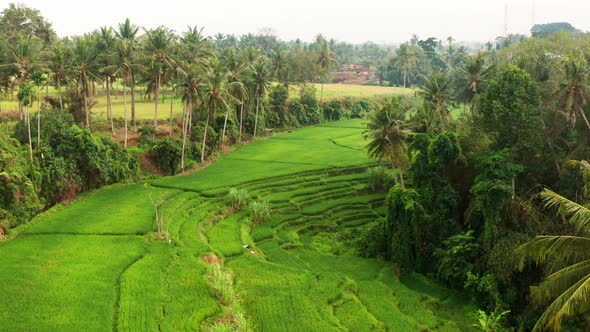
{"type": "Point", "coordinates": [95, 264]}
{"type": "Point", "coordinates": [336, 91]}
{"type": "Point", "coordinates": [144, 107]}
{"type": "Point", "coordinates": [63, 282]}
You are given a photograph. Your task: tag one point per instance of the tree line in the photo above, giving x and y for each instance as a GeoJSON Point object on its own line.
{"type": "Point", "coordinates": [489, 189]}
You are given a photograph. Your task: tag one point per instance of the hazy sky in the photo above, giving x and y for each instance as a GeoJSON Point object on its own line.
{"type": "Point", "coordinates": [382, 21]}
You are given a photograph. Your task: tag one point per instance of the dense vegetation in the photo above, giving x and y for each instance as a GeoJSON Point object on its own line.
{"type": "Point", "coordinates": [471, 163]}
{"type": "Point", "coordinates": [479, 181]}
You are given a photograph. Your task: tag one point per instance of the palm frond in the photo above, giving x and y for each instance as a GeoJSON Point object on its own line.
{"type": "Point", "coordinates": [577, 214]}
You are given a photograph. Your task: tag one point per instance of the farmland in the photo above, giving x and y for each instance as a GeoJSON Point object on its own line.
{"type": "Point", "coordinates": [145, 106]}
{"type": "Point", "coordinates": [97, 264]}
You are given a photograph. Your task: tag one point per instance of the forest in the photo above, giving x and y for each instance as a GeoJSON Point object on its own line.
{"type": "Point", "coordinates": [457, 198]}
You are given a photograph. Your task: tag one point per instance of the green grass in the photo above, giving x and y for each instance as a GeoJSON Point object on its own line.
{"type": "Point", "coordinates": [63, 282]}
{"type": "Point", "coordinates": [336, 91]}
{"type": "Point", "coordinates": [95, 264]}
{"type": "Point", "coordinates": [118, 209]}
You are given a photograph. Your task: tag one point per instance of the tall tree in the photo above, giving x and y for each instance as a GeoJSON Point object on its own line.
{"type": "Point", "coordinates": [159, 52]}
{"type": "Point", "coordinates": [326, 61]}
{"type": "Point", "coordinates": [106, 46]}
{"type": "Point", "coordinates": [127, 33]}
{"type": "Point", "coordinates": [567, 287]}
{"type": "Point", "coordinates": [260, 76]}
{"type": "Point", "coordinates": [237, 88]}
{"type": "Point", "coordinates": [84, 69]}
{"type": "Point", "coordinates": [57, 62]}
{"type": "Point", "coordinates": [387, 132]}
{"type": "Point", "coordinates": [25, 97]}
{"type": "Point", "coordinates": [406, 60]}
{"type": "Point", "coordinates": [216, 96]}
{"type": "Point", "coordinates": [574, 87]}
{"type": "Point", "coordinates": [472, 78]}
{"type": "Point", "coordinates": [436, 91]}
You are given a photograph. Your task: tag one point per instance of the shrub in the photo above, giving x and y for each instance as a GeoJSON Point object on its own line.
{"type": "Point", "coordinates": [147, 131]}
{"type": "Point", "coordinates": [456, 258]}
{"type": "Point", "coordinates": [238, 197]}
{"type": "Point", "coordinates": [359, 109]}
{"type": "Point", "coordinates": [259, 212]}
{"type": "Point", "coordinates": [167, 154]}
{"type": "Point", "coordinates": [380, 178]}
{"type": "Point", "coordinates": [333, 111]}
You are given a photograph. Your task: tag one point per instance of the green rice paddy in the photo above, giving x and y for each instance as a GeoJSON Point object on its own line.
{"type": "Point", "coordinates": [96, 265]}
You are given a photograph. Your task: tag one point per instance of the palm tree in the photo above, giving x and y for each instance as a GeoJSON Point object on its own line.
{"type": "Point", "coordinates": [123, 64]}
{"type": "Point", "coordinates": [39, 81]}
{"type": "Point", "coordinates": [216, 96]}
{"type": "Point", "coordinates": [22, 55]}
{"type": "Point", "coordinates": [279, 66]}
{"type": "Point", "coordinates": [326, 61]}
{"type": "Point", "coordinates": [238, 89]}
{"type": "Point", "coordinates": [260, 76]}
{"type": "Point", "coordinates": [25, 98]}
{"type": "Point", "coordinates": [388, 131]}
{"type": "Point", "coordinates": [84, 68]}
{"type": "Point", "coordinates": [57, 61]}
{"type": "Point", "coordinates": [436, 91]}
{"type": "Point", "coordinates": [406, 60]}
{"type": "Point", "coordinates": [105, 46]}
{"type": "Point", "coordinates": [472, 78]}
{"type": "Point", "coordinates": [568, 285]}
{"type": "Point", "coordinates": [127, 33]}
{"type": "Point", "coordinates": [188, 85]}
{"type": "Point", "coordinates": [574, 88]}
{"type": "Point", "coordinates": [159, 52]}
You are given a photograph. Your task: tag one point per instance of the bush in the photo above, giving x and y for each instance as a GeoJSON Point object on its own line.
{"type": "Point", "coordinates": [456, 258]}
{"type": "Point", "coordinates": [238, 197]}
{"type": "Point", "coordinates": [380, 179]}
{"type": "Point", "coordinates": [259, 212]}
{"type": "Point", "coordinates": [167, 154]}
{"type": "Point", "coordinates": [359, 109]}
{"type": "Point", "coordinates": [333, 111]}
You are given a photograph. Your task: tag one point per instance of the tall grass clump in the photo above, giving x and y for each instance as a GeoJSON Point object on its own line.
{"type": "Point", "coordinates": [380, 179]}
{"type": "Point", "coordinates": [238, 197]}
{"type": "Point", "coordinates": [223, 284]}
{"type": "Point", "coordinates": [259, 212]}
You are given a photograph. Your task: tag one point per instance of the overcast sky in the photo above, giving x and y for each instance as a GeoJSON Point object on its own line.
{"type": "Point", "coordinates": [381, 21]}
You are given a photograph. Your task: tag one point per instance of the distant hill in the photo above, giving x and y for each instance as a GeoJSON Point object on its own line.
{"type": "Point", "coordinates": [545, 30]}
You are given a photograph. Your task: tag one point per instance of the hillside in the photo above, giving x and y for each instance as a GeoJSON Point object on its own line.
{"type": "Point", "coordinates": [96, 265]}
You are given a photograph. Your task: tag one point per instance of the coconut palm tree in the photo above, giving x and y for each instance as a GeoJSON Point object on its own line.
{"type": "Point", "coordinates": [260, 76]}
{"type": "Point", "coordinates": [279, 66]}
{"type": "Point", "coordinates": [574, 88]}
{"type": "Point", "coordinates": [84, 68]}
{"type": "Point", "coordinates": [326, 62]}
{"type": "Point", "coordinates": [436, 91]}
{"type": "Point", "coordinates": [127, 33]}
{"type": "Point", "coordinates": [567, 288]}
{"type": "Point", "coordinates": [158, 49]}
{"type": "Point", "coordinates": [123, 65]}
{"type": "Point", "coordinates": [216, 94]}
{"type": "Point", "coordinates": [25, 97]}
{"type": "Point", "coordinates": [472, 78]}
{"type": "Point", "coordinates": [188, 84]}
{"type": "Point", "coordinates": [57, 62]}
{"type": "Point", "coordinates": [406, 60]}
{"type": "Point", "coordinates": [21, 56]}
{"type": "Point", "coordinates": [106, 43]}
{"type": "Point", "coordinates": [238, 89]}
{"type": "Point", "coordinates": [39, 81]}
{"type": "Point", "coordinates": [387, 132]}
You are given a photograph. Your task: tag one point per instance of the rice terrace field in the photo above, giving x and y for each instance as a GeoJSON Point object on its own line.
{"type": "Point", "coordinates": [95, 265]}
